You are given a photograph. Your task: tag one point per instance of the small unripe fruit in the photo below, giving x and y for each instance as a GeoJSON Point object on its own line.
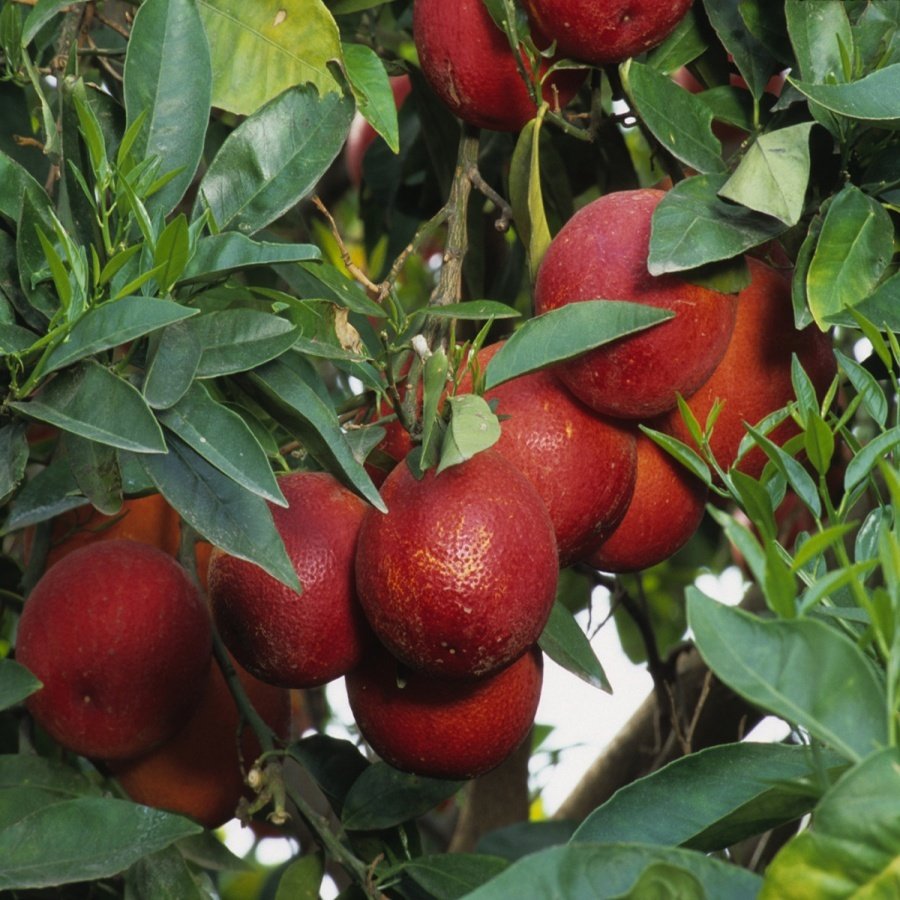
{"type": "Point", "coordinates": [121, 639]}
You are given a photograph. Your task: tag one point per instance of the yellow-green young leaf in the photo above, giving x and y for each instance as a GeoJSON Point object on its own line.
{"type": "Point", "coordinates": [289, 42]}
{"type": "Point", "coordinates": [301, 879]}
{"type": "Point", "coordinates": [526, 196]}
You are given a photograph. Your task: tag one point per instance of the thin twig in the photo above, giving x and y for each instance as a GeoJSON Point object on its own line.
{"type": "Point", "coordinates": [506, 214]}
{"type": "Point", "coordinates": [352, 267]}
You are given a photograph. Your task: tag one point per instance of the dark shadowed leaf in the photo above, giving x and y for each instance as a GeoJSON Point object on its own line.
{"type": "Point", "coordinates": [382, 797]}
{"type": "Point", "coordinates": [164, 875]}
{"type": "Point", "coordinates": [13, 457]}
{"type": "Point", "coordinates": [84, 839]}
{"type": "Point", "coordinates": [518, 840]}
{"type": "Point", "coordinates": [449, 876]}
{"type": "Point", "coordinates": [172, 363]}
{"type": "Point", "coordinates": [798, 670]}
{"type": "Point", "coordinates": [564, 641]}
{"type": "Point", "coordinates": [566, 332]}
{"type": "Point", "coordinates": [302, 879]}
{"type": "Point", "coordinates": [334, 765]}
{"type": "Point", "coordinates": [16, 683]}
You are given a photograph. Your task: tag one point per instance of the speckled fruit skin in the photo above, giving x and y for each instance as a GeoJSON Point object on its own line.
{"type": "Point", "coordinates": [469, 64]}
{"type": "Point", "coordinates": [583, 465]}
{"type": "Point", "coordinates": [606, 31]}
{"type": "Point", "coordinates": [458, 578]}
{"type": "Point", "coordinates": [440, 728]}
{"type": "Point", "coordinates": [197, 772]}
{"type": "Point", "coordinates": [280, 636]}
{"type": "Point", "coordinates": [665, 511]}
{"type": "Point", "coordinates": [754, 376]}
{"type": "Point", "coordinates": [601, 254]}
{"type": "Point", "coordinates": [121, 639]}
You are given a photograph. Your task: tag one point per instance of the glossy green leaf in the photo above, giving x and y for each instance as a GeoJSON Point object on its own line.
{"type": "Point", "coordinates": [321, 281]}
{"type": "Point", "coordinates": [172, 363]}
{"type": "Point", "coordinates": [798, 670]}
{"type": "Point", "coordinates": [273, 159]}
{"type": "Point", "coordinates": [448, 876]}
{"type": "Point", "coordinates": [289, 41]}
{"type": "Point", "coordinates": [751, 56]}
{"type": "Point", "coordinates": [882, 306]}
{"type": "Point", "coordinates": [163, 875]}
{"type": "Point", "coordinates": [773, 175]}
{"type": "Point", "coordinates": [665, 881]}
{"type": "Point", "coordinates": [96, 471]}
{"type": "Point", "coordinates": [679, 120]}
{"type": "Point", "coordinates": [319, 426]}
{"type": "Point", "coordinates": [566, 332]}
{"type": "Point", "coordinates": [869, 456]}
{"type": "Point", "coordinates": [372, 89]}
{"type": "Point", "coordinates": [564, 641]}
{"type": "Point", "coordinates": [852, 848]}
{"type": "Point", "coordinates": [49, 492]}
{"type": "Point", "coordinates": [817, 32]}
{"type": "Point", "coordinates": [816, 544]}
{"type": "Point", "coordinates": [711, 799]}
{"type": "Point", "coordinates": [474, 310]}
{"type": "Point", "coordinates": [30, 259]}
{"type": "Point", "coordinates": [222, 438]}
{"type": "Point", "coordinates": [526, 196]}
{"type": "Point", "coordinates": [797, 476]}
{"type": "Point", "coordinates": [70, 401]}
{"type": "Point", "coordinates": [334, 765]}
{"type": "Point", "coordinates": [854, 248]}
{"type": "Point", "coordinates": [382, 797]}
{"type": "Point", "coordinates": [219, 254]}
{"type": "Point", "coordinates": [873, 98]}
{"type": "Point", "coordinates": [16, 683]}
{"type": "Point", "coordinates": [302, 879]}
{"type": "Point", "coordinates": [226, 514]}
{"type": "Point", "coordinates": [15, 184]}
{"type": "Point", "coordinates": [84, 839]}
{"type": "Point", "coordinates": [41, 14]}
{"type": "Point", "coordinates": [434, 386]}
{"type": "Point", "coordinates": [168, 81]}
{"type": "Point", "coordinates": [13, 457]}
{"type": "Point", "coordinates": [112, 324]}
{"type": "Point", "coordinates": [685, 43]}
{"type": "Point", "coordinates": [172, 252]}
{"type": "Point", "coordinates": [14, 339]}
{"type": "Point", "coordinates": [39, 773]}
{"type": "Point", "coordinates": [689, 458]}
{"type": "Point", "coordinates": [235, 340]}
{"type": "Point", "coordinates": [521, 838]}
{"type": "Point", "coordinates": [693, 226]}
{"type": "Point", "coordinates": [605, 871]}
{"type": "Point", "coordinates": [473, 427]}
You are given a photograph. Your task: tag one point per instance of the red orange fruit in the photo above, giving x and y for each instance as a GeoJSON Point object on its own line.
{"type": "Point", "coordinates": [458, 578]}
{"type": "Point", "coordinates": [278, 635]}
{"type": "Point", "coordinates": [120, 638]}
{"type": "Point", "coordinates": [443, 728]}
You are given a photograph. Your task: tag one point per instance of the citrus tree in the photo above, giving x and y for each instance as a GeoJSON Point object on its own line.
{"type": "Point", "coordinates": [242, 243]}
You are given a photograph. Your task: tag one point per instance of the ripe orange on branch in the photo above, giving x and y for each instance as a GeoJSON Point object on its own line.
{"type": "Point", "coordinates": [121, 640]}
{"type": "Point", "coordinates": [278, 635]}
{"type": "Point", "coordinates": [443, 728]}
{"type": "Point", "coordinates": [458, 578]}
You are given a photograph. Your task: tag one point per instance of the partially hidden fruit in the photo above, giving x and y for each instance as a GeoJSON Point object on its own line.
{"type": "Point", "coordinates": [606, 31]}
{"type": "Point", "coordinates": [665, 510]}
{"type": "Point", "coordinates": [441, 728]}
{"type": "Point", "coordinates": [278, 635]}
{"type": "Point", "coordinates": [458, 577]}
{"type": "Point", "coordinates": [754, 377]}
{"type": "Point", "coordinates": [582, 464]}
{"type": "Point", "coordinates": [199, 771]}
{"type": "Point", "coordinates": [601, 254]}
{"type": "Point", "coordinates": [121, 640]}
{"type": "Point", "coordinates": [467, 60]}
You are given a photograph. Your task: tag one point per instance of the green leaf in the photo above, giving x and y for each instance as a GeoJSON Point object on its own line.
{"type": "Point", "coordinates": [333, 764]}
{"type": "Point", "coordinates": [96, 471]}
{"type": "Point", "coordinates": [693, 226]}
{"type": "Point", "coordinates": [773, 175]}
{"type": "Point", "coordinates": [372, 89]}
{"type": "Point", "coordinates": [16, 683]}
{"type": "Point", "coordinates": [664, 881]}
{"type": "Point", "coordinates": [235, 340]}
{"type": "Point", "coordinates": [473, 427]}
{"type": "Point", "coordinates": [853, 845]}
{"type": "Point", "coordinates": [816, 544]}
{"type": "Point", "coordinates": [474, 310]}
{"type": "Point", "coordinates": [565, 643]}
{"type": "Point", "coordinates": [84, 839]}
{"type": "Point", "coordinates": [168, 81]}
{"type": "Point", "coordinates": [14, 339]}
{"type": "Point", "coordinates": [854, 248]}
{"type": "Point", "coordinates": [685, 43]}
{"type": "Point", "coordinates": [605, 871]}
{"type": "Point", "coordinates": [222, 438]}
{"type": "Point", "coordinates": [680, 451]}
{"type": "Point", "coordinates": [290, 42]}
{"type": "Point", "coordinates": [226, 514]}
{"type": "Point", "coordinates": [40, 15]}
{"type": "Point", "coordinates": [521, 838]}
{"type": "Point", "coordinates": [873, 98]}
{"type": "Point", "coordinates": [679, 120]}
{"type": "Point", "coordinates": [219, 254]}
{"type": "Point", "coordinates": [321, 281]}
{"type": "Point", "coordinates": [446, 876]}
{"type": "Point", "coordinates": [172, 252]}
{"type": "Point", "coordinates": [751, 56]}
{"type": "Point", "coordinates": [112, 324]}
{"type": "Point", "coordinates": [302, 879]}
{"type": "Point", "coordinates": [273, 159]}
{"type": "Point", "coordinates": [164, 875]}
{"type": "Point", "coordinates": [172, 363]}
{"type": "Point", "coordinates": [711, 799]}
{"type": "Point", "coordinates": [526, 196]}
{"type": "Point", "coordinates": [318, 425]}
{"type": "Point", "coordinates": [38, 773]}
{"type": "Point", "coordinates": [869, 456]}
{"type": "Point", "coordinates": [382, 797]}
{"type": "Point", "coordinates": [566, 332]}
{"type": "Point", "coordinates": [817, 32]}
{"type": "Point", "coordinates": [13, 457]}
{"type": "Point", "coordinates": [71, 401]}
{"type": "Point", "coordinates": [434, 386]}
{"type": "Point", "coordinates": [803, 671]}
